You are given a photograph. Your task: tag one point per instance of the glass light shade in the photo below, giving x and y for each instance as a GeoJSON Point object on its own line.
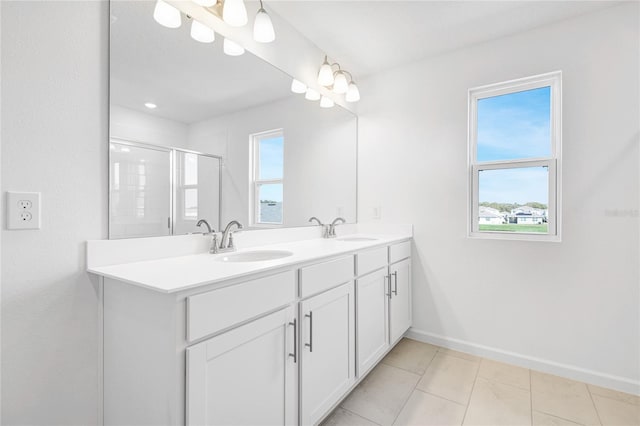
{"type": "Point", "coordinates": [205, 3]}
{"type": "Point", "coordinates": [326, 102]}
{"type": "Point", "coordinates": [200, 32]}
{"type": "Point", "coordinates": [353, 94]}
{"type": "Point", "coordinates": [232, 48]}
{"type": "Point", "coordinates": [263, 28]}
{"type": "Point", "coordinates": [340, 83]}
{"type": "Point", "coordinates": [298, 86]}
{"type": "Point", "coordinates": [234, 13]}
{"type": "Point", "coordinates": [325, 75]}
{"type": "Point", "coordinates": [312, 95]}
{"type": "Point", "coordinates": [167, 15]}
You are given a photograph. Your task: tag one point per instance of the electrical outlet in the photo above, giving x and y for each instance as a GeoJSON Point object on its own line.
{"type": "Point", "coordinates": [376, 212]}
{"type": "Point", "coordinates": [23, 210]}
{"type": "Point", "coordinates": [25, 204]}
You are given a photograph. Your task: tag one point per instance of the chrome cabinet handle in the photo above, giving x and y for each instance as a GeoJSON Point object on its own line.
{"type": "Point", "coordinates": [310, 344]}
{"type": "Point", "coordinates": [395, 282]}
{"type": "Point", "coordinates": [295, 341]}
{"type": "Point", "coordinates": [387, 280]}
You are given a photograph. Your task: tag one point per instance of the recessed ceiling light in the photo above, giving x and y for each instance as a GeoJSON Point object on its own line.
{"type": "Point", "coordinates": [150, 105]}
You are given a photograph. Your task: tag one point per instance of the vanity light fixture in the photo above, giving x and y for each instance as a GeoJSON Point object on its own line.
{"type": "Point", "coordinates": [234, 13]}
{"type": "Point", "coordinates": [232, 48]}
{"type": "Point", "coordinates": [312, 95]}
{"type": "Point", "coordinates": [298, 86]}
{"type": "Point", "coordinates": [150, 105]}
{"type": "Point", "coordinates": [263, 31]}
{"type": "Point", "coordinates": [167, 15]}
{"type": "Point", "coordinates": [336, 80]}
{"type": "Point", "coordinates": [325, 75]}
{"type": "Point", "coordinates": [202, 33]}
{"type": "Point", "coordinates": [353, 93]}
{"type": "Point", "coordinates": [326, 102]}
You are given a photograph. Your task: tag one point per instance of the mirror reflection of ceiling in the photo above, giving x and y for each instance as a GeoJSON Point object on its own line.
{"type": "Point", "coordinates": [211, 84]}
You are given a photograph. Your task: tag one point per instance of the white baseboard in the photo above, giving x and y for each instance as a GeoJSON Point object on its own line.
{"type": "Point", "coordinates": [622, 384]}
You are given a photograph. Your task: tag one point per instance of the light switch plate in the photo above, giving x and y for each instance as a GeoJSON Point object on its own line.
{"type": "Point", "coordinates": [23, 210]}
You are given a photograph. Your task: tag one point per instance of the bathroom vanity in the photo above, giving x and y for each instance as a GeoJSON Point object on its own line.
{"type": "Point", "coordinates": [193, 338]}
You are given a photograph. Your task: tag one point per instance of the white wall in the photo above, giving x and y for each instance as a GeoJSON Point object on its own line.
{"type": "Point", "coordinates": [319, 164]}
{"type": "Point", "coordinates": [570, 307]}
{"type": "Point", "coordinates": [54, 140]}
{"type": "Point", "coordinates": [136, 126]}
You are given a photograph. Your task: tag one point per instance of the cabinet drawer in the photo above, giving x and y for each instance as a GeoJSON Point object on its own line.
{"type": "Point", "coordinates": [400, 251]}
{"type": "Point", "coordinates": [219, 309]}
{"type": "Point", "coordinates": [316, 278]}
{"type": "Point", "coordinates": [370, 260]}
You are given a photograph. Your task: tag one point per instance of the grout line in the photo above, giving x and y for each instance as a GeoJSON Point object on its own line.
{"type": "Point", "coordinates": [357, 415]}
{"type": "Point", "coordinates": [414, 387]}
{"type": "Point", "coordinates": [466, 410]}
{"type": "Point", "coordinates": [595, 407]}
{"type": "Point", "coordinates": [530, 397]}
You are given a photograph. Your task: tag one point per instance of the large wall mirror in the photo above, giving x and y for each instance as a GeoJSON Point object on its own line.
{"type": "Point", "coordinates": [198, 134]}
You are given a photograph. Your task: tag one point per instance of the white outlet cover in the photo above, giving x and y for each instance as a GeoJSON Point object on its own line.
{"type": "Point", "coordinates": [23, 210]}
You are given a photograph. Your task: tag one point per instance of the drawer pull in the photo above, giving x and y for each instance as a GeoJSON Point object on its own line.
{"type": "Point", "coordinates": [395, 282]}
{"type": "Point", "coordinates": [295, 341]}
{"type": "Point", "coordinates": [310, 344]}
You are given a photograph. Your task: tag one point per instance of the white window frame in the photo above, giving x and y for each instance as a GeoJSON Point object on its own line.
{"type": "Point", "coordinates": [256, 183]}
{"type": "Point", "coordinates": [553, 162]}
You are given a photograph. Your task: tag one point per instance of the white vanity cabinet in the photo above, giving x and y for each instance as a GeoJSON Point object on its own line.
{"type": "Point", "coordinates": [400, 299]}
{"type": "Point", "coordinates": [383, 301]}
{"type": "Point", "coordinates": [400, 289]}
{"type": "Point", "coordinates": [280, 346]}
{"type": "Point", "coordinates": [327, 343]}
{"type": "Point", "coordinates": [246, 376]}
{"type": "Point", "coordinates": [373, 306]}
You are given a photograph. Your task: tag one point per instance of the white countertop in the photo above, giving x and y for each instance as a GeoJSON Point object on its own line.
{"type": "Point", "coordinates": [174, 274]}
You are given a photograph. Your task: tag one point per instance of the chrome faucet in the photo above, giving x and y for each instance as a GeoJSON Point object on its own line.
{"type": "Point", "coordinates": [212, 232]}
{"type": "Point", "coordinates": [325, 228]}
{"type": "Point", "coordinates": [331, 232]}
{"type": "Point", "coordinates": [226, 244]}
{"type": "Point", "coordinates": [205, 223]}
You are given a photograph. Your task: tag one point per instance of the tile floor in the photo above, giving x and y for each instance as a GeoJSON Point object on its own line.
{"type": "Point", "coordinates": [421, 384]}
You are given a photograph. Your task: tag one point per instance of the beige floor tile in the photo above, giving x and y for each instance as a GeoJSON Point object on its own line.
{"type": "Point", "coordinates": [562, 398]}
{"type": "Point", "coordinates": [342, 417]}
{"type": "Point", "coordinates": [494, 403]}
{"type": "Point", "coordinates": [449, 377]}
{"type": "Point", "coordinates": [617, 413]}
{"type": "Point", "coordinates": [458, 354]}
{"type": "Point", "coordinates": [505, 373]}
{"type": "Point", "coordinates": [543, 419]}
{"type": "Point", "coordinates": [613, 394]}
{"type": "Point", "coordinates": [411, 355]}
{"type": "Point", "coordinates": [423, 409]}
{"type": "Point", "coordinates": [382, 394]}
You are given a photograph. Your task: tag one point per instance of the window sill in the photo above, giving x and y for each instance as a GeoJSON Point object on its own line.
{"type": "Point", "coordinates": [514, 236]}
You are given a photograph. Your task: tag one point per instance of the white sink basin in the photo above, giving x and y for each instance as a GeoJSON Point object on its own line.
{"type": "Point", "coordinates": [254, 256]}
{"type": "Point", "coordinates": [356, 239]}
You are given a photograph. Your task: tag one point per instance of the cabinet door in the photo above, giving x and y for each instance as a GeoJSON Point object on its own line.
{"type": "Point", "coordinates": [373, 318]}
{"type": "Point", "coordinates": [328, 349]}
{"type": "Point", "coordinates": [400, 302]}
{"type": "Point", "coordinates": [245, 376]}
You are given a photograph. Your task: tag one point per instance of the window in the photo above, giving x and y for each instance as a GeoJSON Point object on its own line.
{"type": "Point", "coordinates": [268, 170]}
{"type": "Point", "coordinates": [514, 159]}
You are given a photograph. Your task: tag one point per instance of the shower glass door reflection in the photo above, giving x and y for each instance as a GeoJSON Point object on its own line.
{"type": "Point", "coordinates": [140, 191]}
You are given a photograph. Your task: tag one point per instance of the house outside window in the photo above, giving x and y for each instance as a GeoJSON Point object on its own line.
{"type": "Point", "coordinates": [267, 188]}
{"type": "Point", "coordinates": [514, 159]}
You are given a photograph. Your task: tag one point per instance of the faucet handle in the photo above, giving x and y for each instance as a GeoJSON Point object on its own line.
{"type": "Point", "coordinates": [214, 244]}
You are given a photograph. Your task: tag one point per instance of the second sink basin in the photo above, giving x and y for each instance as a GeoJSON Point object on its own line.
{"type": "Point", "coordinates": [254, 256]}
{"type": "Point", "coordinates": [356, 239]}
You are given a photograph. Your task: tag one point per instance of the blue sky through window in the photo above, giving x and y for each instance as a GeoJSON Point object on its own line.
{"type": "Point", "coordinates": [271, 166]}
{"type": "Point", "coordinates": [514, 126]}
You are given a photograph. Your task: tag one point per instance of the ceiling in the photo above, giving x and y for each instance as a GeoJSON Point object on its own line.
{"type": "Point", "coordinates": [369, 36]}
{"type": "Point", "coordinates": [187, 80]}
